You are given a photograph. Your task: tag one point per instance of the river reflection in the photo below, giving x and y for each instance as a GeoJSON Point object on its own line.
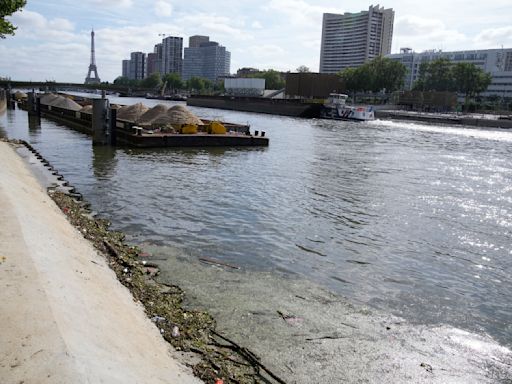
{"type": "Point", "coordinates": [407, 217]}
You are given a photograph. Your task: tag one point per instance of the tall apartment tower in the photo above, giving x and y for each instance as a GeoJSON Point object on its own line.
{"type": "Point", "coordinates": [206, 59]}
{"type": "Point", "coordinates": [351, 39]}
{"type": "Point", "coordinates": [126, 68]}
{"type": "Point", "coordinates": [172, 55]}
{"type": "Point", "coordinates": [158, 51]}
{"type": "Point", "coordinates": [137, 66]}
{"type": "Point", "coordinates": [151, 67]}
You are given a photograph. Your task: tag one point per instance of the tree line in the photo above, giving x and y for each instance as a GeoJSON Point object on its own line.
{"type": "Point", "coordinates": [172, 81]}
{"type": "Point", "coordinates": [443, 75]}
{"type": "Point", "coordinates": [384, 74]}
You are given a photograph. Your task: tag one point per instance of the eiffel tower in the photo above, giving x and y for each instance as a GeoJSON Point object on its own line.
{"type": "Point", "coordinates": [92, 67]}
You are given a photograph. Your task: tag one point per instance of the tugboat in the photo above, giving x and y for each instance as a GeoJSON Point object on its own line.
{"type": "Point", "coordinates": [335, 107]}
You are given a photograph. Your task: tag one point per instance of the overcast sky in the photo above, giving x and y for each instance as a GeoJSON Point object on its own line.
{"type": "Point", "coordinates": [53, 37]}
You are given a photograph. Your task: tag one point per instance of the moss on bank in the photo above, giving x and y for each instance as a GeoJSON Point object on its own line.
{"type": "Point", "coordinates": [187, 330]}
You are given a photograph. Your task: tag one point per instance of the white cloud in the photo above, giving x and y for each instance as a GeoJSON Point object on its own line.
{"type": "Point", "coordinates": [163, 8]}
{"type": "Point", "coordinates": [425, 33]}
{"type": "Point", "coordinates": [35, 26]}
{"type": "Point", "coordinates": [495, 37]}
{"type": "Point", "coordinates": [299, 11]}
{"type": "Point", "coordinates": [112, 3]}
{"type": "Point", "coordinates": [256, 25]}
{"type": "Point", "coordinates": [218, 26]}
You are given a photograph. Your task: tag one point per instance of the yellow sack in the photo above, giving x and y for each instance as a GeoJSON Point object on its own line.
{"type": "Point", "coordinates": [189, 129]}
{"type": "Point", "coordinates": [216, 128]}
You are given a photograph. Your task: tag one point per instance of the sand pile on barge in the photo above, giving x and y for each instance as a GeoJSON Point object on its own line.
{"type": "Point", "coordinates": [177, 115]}
{"type": "Point", "coordinates": [153, 113]}
{"type": "Point", "coordinates": [132, 112]}
{"type": "Point", "coordinates": [64, 103]}
{"type": "Point", "coordinates": [18, 95]}
{"type": "Point", "coordinates": [87, 109]}
{"type": "Point", "coordinates": [48, 98]}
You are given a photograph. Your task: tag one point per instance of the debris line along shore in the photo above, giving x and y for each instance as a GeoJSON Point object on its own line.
{"type": "Point", "coordinates": [212, 357]}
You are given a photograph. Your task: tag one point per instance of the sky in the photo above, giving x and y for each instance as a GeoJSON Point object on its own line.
{"type": "Point", "coordinates": [53, 37]}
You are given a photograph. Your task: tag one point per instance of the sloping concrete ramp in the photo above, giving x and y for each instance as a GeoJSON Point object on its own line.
{"type": "Point", "coordinates": [64, 317]}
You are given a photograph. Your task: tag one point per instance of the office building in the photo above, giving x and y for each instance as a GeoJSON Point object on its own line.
{"type": "Point", "coordinates": [196, 41]}
{"type": "Point", "coordinates": [151, 64]}
{"type": "Point", "coordinates": [137, 66]}
{"type": "Point", "coordinates": [205, 59]}
{"type": "Point", "coordinates": [172, 55]}
{"type": "Point", "coordinates": [126, 68]}
{"type": "Point", "coordinates": [351, 39]}
{"type": "Point", "coordinates": [497, 62]}
{"type": "Point", "coordinates": [158, 51]}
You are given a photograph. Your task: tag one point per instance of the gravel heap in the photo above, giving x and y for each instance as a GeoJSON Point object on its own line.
{"type": "Point", "coordinates": [153, 113]}
{"type": "Point", "coordinates": [177, 115]}
{"type": "Point", "coordinates": [132, 112]}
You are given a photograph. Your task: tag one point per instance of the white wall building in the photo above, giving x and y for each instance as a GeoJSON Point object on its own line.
{"type": "Point", "coordinates": [497, 62]}
{"type": "Point", "coordinates": [244, 86]}
{"type": "Point", "coordinates": [351, 39]}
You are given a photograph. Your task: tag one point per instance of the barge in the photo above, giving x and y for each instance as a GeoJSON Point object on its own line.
{"type": "Point", "coordinates": [128, 133]}
{"type": "Point", "coordinates": [283, 107]}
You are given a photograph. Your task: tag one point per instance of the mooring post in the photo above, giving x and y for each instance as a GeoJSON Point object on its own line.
{"type": "Point", "coordinates": [113, 126]}
{"type": "Point", "coordinates": [100, 122]}
{"type": "Point", "coordinates": [9, 97]}
{"type": "Point", "coordinates": [3, 101]}
{"type": "Point", "coordinates": [38, 105]}
{"type": "Point", "coordinates": [31, 102]}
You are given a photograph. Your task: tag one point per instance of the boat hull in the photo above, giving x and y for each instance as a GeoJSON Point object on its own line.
{"type": "Point", "coordinates": [345, 112]}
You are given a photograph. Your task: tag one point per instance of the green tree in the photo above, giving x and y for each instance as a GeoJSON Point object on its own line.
{"type": "Point", "coordinates": [273, 79]}
{"type": "Point", "coordinates": [470, 80]}
{"type": "Point", "coordinates": [196, 84]}
{"type": "Point", "coordinates": [7, 8]}
{"type": "Point", "coordinates": [173, 80]}
{"type": "Point", "coordinates": [153, 81]}
{"type": "Point", "coordinates": [436, 76]}
{"type": "Point", "coordinates": [303, 69]}
{"type": "Point", "coordinates": [376, 75]}
{"type": "Point", "coordinates": [122, 80]}
{"type": "Point", "coordinates": [386, 74]}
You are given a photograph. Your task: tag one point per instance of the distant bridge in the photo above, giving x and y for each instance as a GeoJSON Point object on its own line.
{"type": "Point", "coordinates": [54, 86]}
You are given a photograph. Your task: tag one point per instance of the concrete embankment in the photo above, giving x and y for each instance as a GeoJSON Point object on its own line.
{"type": "Point", "coordinates": [64, 316]}
{"type": "Point", "coordinates": [451, 119]}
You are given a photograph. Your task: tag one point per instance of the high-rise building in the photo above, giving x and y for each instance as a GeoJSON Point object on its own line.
{"type": "Point", "coordinates": [196, 40]}
{"type": "Point", "coordinates": [208, 60]}
{"type": "Point", "coordinates": [172, 55]}
{"type": "Point", "coordinates": [497, 62]}
{"type": "Point", "coordinates": [126, 68]}
{"type": "Point", "coordinates": [151, 66]}
{"type": "Point", "coordinates": [351, 39]}
{"type": "Point", "coordinates": [137, 66]}
{"type": "Point", "coordinates": [158, 51]}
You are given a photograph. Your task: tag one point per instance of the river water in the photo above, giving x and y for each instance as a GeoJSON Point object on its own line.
{"type": "Point", "coordinates": [407, 218]}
